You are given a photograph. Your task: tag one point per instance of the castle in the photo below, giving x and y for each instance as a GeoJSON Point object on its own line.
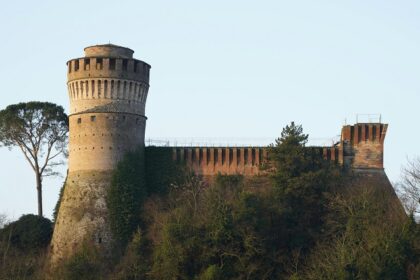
{"type": "Point", "coordinates": [108, 90]}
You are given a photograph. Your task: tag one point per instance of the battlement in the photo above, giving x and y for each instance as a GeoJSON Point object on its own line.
{"type": "Point", "coordinates": [363, 145]}
{"type": "Point", "coordinates": [210, 161]}
{"type": "Point", "coordinates": [360, 147]}
{"type": "Point", "coordinates": [364, 132]}
{"type": "Point", "coordinates": [98, 67]}
{"type": "Point", "coordinates": [108, 76]}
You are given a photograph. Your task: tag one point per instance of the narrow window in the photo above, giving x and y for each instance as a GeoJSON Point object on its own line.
{"type": "Point", "coordinates": [112, 64]}
{"type": "Point", "coordinates": [79, 120]}
{"type": "Point", "coordinates": [124, 64]}
{"type": "Point", "coordinates": [69, 66]}
{"type": "Point", "coordinates": [92, 118]}
{"type": "Point", "coordinates": [76, 65]}
{"type": "Point", "coordinates": [136, 64]}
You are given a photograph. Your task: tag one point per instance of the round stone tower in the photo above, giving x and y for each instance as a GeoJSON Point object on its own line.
{"type": "Point", "coordinates": [107, 89]}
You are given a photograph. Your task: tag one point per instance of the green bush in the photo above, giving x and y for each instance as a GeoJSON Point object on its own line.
{"type": "Point", "coordinates": [162, 170]}
{"type": "Point", "coordinates": [126, 195]}
{"type": "Point", "coordinates": [135, 263]}
{"type": "Point", "coordinates": [83, 265]}
{"type": "Point", "coordinates": [29, 232]}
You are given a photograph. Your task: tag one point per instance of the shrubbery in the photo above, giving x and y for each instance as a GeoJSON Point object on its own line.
{"type": "Point", "coordinates": [29, 232]}
{"type": "Point", "coordinates": [85, 264]}
{"type": "Point", "coordinates": [23, 245]}
{"type": "Point", "coordinates": [126, 195]}
{"type": "Point", "coordinates": [133, 182]}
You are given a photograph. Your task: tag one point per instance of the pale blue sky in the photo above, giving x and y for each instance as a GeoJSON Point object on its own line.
{"type": "Point", "coordinates": [223, 69]}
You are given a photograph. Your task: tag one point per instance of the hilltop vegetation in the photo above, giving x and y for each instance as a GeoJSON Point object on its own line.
{"type": "Point", "coordinates": [307, 219]}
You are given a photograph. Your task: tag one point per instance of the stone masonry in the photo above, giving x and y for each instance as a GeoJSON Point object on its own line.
{"type": "Point", "coordinates": [107, 89]}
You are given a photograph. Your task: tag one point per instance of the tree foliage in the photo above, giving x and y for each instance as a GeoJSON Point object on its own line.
{"type": "Point", "coordinates": [301, 179]}
{"type": "Point", "coordinates": [29, 232]}
{"type": "Point", "coordinates": [39, 130]}
{"type": "Point", "coordinates": [85, 264]}
{"type": "Point", "coordinates": [409, 187]}
{"type": "Point", "coordinates": [369, 241]}
{"type": "Point", "coordinates": [126, 195]}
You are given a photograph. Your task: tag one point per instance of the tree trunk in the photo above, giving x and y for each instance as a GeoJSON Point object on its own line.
{"type": "Point", "coordinates": [39, 192]}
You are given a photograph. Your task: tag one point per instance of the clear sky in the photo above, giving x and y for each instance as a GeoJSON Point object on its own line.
{"type": "Point", "coordinates": [223, 69]}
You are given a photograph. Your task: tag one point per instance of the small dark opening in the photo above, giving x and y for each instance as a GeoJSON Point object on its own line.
{"type": "Point", "coordinates": [367, 133]}
{"type": "Point", "coordinates": [136, 64]}
{"type": "Point", "coordinates": [92, 118]}
{"type": "Point", "coordinates": [112, 64]}
{"type": "Point", "coordinates": [124, 64]}
{"type": "Point", "coordinates": [246, 156]}
{"type": "Point", "coordinates": [87, 63]}
{"type": "Point", "coordinates": [99, 64]}
{"type": "Point", "coordinates": [223, 156]}
{"type": "Point", "coordinates": [76, 65]}
{"type": "Point", "coordinates": [79, 120]}
{"type": "Point", "coordinates": [99, 240]}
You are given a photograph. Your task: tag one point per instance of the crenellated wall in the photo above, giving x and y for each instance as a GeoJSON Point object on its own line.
{"type": "Point", "coordinates": [224, 160]}
{"type": "Point", "coordinates": [363, 145]}
{"type": "Point", "coordinates": [360, 147]}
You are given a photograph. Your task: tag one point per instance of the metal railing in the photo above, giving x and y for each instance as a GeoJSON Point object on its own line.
{"type": "Point", "coordinates": [368, 118]}
{"type": "Point", "coordinates": [229, 141]}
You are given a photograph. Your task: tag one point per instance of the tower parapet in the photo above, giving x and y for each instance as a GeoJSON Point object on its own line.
{"type": "Point", "coordinates": [363, 145]}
